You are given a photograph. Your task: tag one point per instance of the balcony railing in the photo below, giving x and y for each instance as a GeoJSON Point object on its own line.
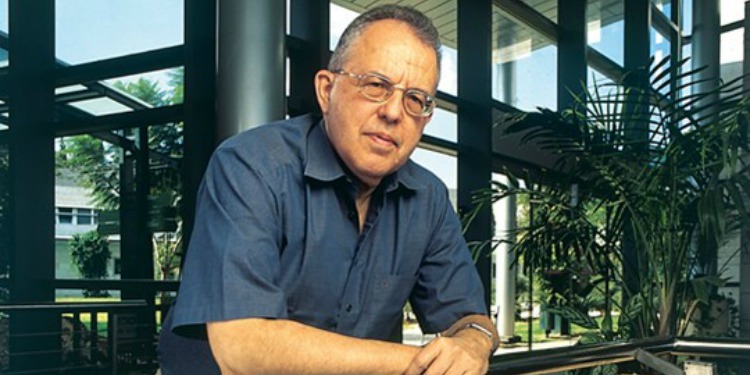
{"type": "Point", "coordinates": [644, 352]}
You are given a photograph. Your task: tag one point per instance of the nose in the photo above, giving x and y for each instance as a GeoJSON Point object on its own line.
{"type": "Point", "coordinates": [392, 110]}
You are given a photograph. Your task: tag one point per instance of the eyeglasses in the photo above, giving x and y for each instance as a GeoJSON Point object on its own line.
{"type": "Point", "coordinates": [379, 89]}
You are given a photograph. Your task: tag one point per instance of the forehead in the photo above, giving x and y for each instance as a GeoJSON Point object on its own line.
{"type": "Point", "coordinates": [392, 48]}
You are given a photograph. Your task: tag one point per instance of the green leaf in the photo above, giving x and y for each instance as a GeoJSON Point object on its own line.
{"type": "Point", "coordinates": [575, 316]}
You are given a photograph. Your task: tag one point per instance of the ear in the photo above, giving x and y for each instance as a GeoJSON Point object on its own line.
{"type": "Point", "coordinates": [323, 88]}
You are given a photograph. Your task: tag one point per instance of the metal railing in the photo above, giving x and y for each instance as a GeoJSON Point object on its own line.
{"type": "Point", "coordinates": [645, 352]}
{"type": "Point", "coordinates": [83, 343]}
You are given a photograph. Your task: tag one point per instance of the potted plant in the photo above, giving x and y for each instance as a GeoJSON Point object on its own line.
{"type": "Point", "coordinates": [653, 170]}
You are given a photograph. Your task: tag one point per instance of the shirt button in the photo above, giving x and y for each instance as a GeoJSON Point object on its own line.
{"type": "Point", "coordinates": [349, 308]}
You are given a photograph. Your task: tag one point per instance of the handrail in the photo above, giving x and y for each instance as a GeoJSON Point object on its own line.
{"type": "Point", "coordinates": [569, 358]}
{"type": "Point", "coordinates": [72, 306]}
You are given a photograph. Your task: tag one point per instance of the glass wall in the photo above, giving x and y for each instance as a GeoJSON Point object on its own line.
{"type": "Point", "coordinates": [92, 30]}
{"type": "Point", "coordinates": [606, 28]}
{"type": "Point", "coordinates": [524, 64]}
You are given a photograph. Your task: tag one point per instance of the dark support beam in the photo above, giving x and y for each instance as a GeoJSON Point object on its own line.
{"type": "Point", "coordinates": [637, 56]}
{"type": "Point", "coordinates": [744, 301]}
{"type": "Point", "coordinates": [571, 55]}
{"type": "Point", "coordinates": [571, 69]}
{"type": "Point", "coordinates": [309, 25]}
{"type": "Point", "coordinates": [475, 121]}
{"type": "Point", "coordinates": [33, 344]}
{"type": "Point", "coordinates": [675, 46]}
{"type": "Point", "coordinates": [199, 102]}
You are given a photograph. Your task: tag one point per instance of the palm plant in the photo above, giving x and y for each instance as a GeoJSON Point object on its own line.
{"type": "Point", "coordinates": [665, 172]}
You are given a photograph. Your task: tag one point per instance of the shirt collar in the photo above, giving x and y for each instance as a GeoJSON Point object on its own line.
{"type": "Point", "coordinates": [324, 165]}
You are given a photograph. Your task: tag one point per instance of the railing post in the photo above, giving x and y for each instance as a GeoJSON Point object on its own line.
{"type": "Point", "coordinates": [113, 338]}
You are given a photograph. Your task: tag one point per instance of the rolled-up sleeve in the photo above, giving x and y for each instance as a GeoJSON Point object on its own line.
{"type": "Point", "coordinates": [232, 267]}
{"type": "Point", "coordinates": [448, 285]}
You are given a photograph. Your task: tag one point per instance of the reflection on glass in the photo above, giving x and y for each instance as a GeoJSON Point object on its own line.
{"type": "Point", "coordinates": [443, 125]}
{"type": "Point", "coordinates": [524, 65]}
{"type": "Point", "coordinates": [606, 29]}
{"type": "Point", "coordinates": [444, 166]}
{"type": "Point", "coordinates": [91, 30]}
{"type": "Point", "coordinates": [547, 8]}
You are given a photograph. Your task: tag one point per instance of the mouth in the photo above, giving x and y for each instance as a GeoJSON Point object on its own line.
{"type": "Point", "coordinates": [383, 139]}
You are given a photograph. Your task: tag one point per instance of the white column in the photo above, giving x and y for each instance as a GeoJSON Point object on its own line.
{"type": "Point", "coordinates": [504, 212]}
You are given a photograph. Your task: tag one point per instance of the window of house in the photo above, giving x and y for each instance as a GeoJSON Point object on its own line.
{"type": "Point", "coordinates": [65, 215]}
{"type": "Point", "coordinates": [85, 216]}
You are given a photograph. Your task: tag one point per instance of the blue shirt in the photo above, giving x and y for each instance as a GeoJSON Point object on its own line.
{"type": "Point", "coordinates": [277, 236]}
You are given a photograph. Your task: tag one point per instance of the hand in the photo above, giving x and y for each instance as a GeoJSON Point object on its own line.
{"type": "Point", "coordinates": [465, 353]}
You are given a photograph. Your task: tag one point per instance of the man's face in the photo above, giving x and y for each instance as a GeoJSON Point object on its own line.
{"type": "Point", "coordinates": [375, 139]}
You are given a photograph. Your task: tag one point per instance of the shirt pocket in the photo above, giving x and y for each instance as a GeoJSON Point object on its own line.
{"type": "Point", "coordinates": [388, 294]}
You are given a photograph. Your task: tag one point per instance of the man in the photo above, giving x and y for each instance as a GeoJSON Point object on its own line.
{"type": "Point", "coordinates": [311, 235]}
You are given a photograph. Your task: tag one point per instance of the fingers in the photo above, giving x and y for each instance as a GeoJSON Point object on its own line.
{"type": "Point", "coordinates": [423, 360]}
{"type": "Point", "coordinates": [446, 356]}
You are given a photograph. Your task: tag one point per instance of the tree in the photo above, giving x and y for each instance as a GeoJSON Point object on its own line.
{"type": "Point", "coordinates": [674, 194]}
{"type": "Point", "coordinates": [91, 254]}
{"type": "Point", "coordinates": [95, 163]}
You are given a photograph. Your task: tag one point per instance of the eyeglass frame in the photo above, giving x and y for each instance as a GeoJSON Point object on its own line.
{"type": "Point", "coordinates": [430, 101]}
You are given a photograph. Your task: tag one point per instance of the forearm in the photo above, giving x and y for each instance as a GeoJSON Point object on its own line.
{"type": "Point", "coordinates": [267, 346]}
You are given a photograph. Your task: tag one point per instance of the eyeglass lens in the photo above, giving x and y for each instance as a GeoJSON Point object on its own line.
{"type": "Point", "coordinates": [379, 90]}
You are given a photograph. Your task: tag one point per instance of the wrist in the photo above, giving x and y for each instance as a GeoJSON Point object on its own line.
{"type": "Point", "coordinates": [479, 325]}
{"type": "Point", "coordinates": [483, 337]}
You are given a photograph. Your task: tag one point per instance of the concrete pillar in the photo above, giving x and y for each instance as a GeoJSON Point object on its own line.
{"type": "Point", "coordinates": [251, 50]}
{"type": "Point", "coordinates": [505, 271]}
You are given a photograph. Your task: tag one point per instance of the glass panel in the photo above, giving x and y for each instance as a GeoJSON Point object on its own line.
{"type": "Point", "coordinates": [660, 48]}
{"type": "Point", "coordinates": [665, 6]}
{"type": "Point", "coordinates": [444, 125]}
{"type": "Point", "coordinates": [606, 29]}
{"type": "Point", "coordinates": [732, 53]}
{"type": "Point", "coordinates": [732, 11]}
{"type": "Point", "coordinates": [547, 8]}
{"type": "Point", "coordinates": [4, 32]}
{"type": "Point", "coordinates": [164, 219]}
{"type": "Point", "coordinates": [127, 93]}
{"type": "Point", "coordinates": [157, 88]}
{"type": "Point", "coordinates": [93, 171]}
{"type": "Point", "coordinates": [524, 65]}
{"type": "Point", "coordinates": [444, 18]}
{"type": "Point", "coordinates": [687, 17]}
{"type": "Point", "coordinates": [100, 106]}
{"type": "Point", "coordinates": [442, 165]}
{"type": "Point", "coordinates": [91, 30]}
